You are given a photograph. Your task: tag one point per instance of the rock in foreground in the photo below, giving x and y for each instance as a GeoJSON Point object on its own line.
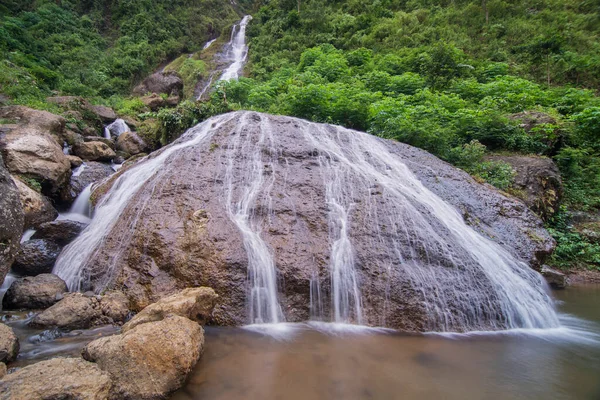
{"type": "Point", "coordinates": [57, 379]}
{"type": "Point", "coordinates": [196, 304]}
{"type": "Point", "coordinates": [150, 361]}
{"type": "Point", "coordinates": [9, 344]}
{"type": "Point", "coordinates": [34, 292]}
{"type": "Point", "coordinates": [36, 256]}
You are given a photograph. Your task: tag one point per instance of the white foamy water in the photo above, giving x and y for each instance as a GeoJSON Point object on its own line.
{"type": "Point", "coordinates": [116, 128]}
{"type": "Point", "coordinates": [208, 44]}
{"type": "Point", "coordinates": [237, 50]}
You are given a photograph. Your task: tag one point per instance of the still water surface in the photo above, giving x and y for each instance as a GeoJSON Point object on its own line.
{"type": "Point", "coordinates": [328, 362]}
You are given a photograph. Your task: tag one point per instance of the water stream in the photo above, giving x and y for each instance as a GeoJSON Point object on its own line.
{"type": "Point", "coordinates": [237, 50]}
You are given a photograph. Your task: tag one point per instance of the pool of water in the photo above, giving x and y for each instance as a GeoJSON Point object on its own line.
{"type": "Point", "coordinates": [323, 361]}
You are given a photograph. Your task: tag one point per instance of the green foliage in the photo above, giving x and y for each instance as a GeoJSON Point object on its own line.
{"type": "Point", "coordinates": [572, 249]}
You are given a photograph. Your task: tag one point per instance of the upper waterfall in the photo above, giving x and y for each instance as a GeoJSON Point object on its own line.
{"type": "Point", "coordinates": [237, 50]}
{"type": "Point", "coordinates": [289, 220]}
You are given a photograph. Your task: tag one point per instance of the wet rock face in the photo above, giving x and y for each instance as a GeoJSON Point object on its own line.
{"type": "Point", "coordinates": [36, 257]}
{"type": "Point", "coordinates": [58, 378]}
{"type": "Point", "coordinates": [11, 220]}
{"type": "Point", "coordinates": [92, 172]}
{"type": "Point", "coordinates": [151, 360]}
{"type": "Point", "coordinates": [306, 184]}
{"type": "Point", "coordinates": [35, 292]}
{"type": "Point", "coordinates": [538, 181]}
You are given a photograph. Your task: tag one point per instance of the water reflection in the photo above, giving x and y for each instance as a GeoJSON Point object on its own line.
{"type": "Point", "coordinates": [327, 363]}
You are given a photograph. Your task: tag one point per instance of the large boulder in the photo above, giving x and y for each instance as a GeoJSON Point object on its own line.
{"type": "Point", "coordinates": [94, 151]}
{"type": "Point", "coordinates": [86, 175]}
{"type": "Point", "coordinates": [161, 82]}
{"type": "Point", "coordinates": [36, 207]}
{"type": "Point", "coordinates": [131, 143]}
{"type": "Point", "coordinates": [34, 146]}
{"type": "Point", "coordinates": [37, 256]}
{"type": "Point", "coordinates": [9, 344]}
{"type": "Point", "coordinates": [57, 379]}
{"type": "Point", "coordinates": [74, 311]}
{"type": "Point", "coordinates": [196, 304]}
{"type": "Point", "coordinates": [62, 232]}
{"type": "Point", "coordinates": [11, 220]}
{"type": "Point", "coordinates": [34, 292]}
{"type": "Point", "coordinates": [267, 210]}
{"type": "Point", "coordinates": [537, 181]}
{"type": "Point", "coordinates": [106, 114]}
{"type": "Point", "coordinates": [150, 361]}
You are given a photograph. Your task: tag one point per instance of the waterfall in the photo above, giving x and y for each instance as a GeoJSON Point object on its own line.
{"type": "Point", "coordinates": [71, 264]}
{"type": "Point", "coordinates": [263, 303]}
{"type": "Point", "coordinates": [237, 50]}
{"type": "Point", "coordinates": [379, 224]}
{"type": "Point", "coordinates": [116, 128]}
{"type": "Point", "coordinates": [208, 44]}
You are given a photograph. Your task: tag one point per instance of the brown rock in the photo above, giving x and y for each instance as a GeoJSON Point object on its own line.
{"type": "Point", "coordinates": [115, 305]}
{"type": "Point", "coordinates": [153, 101]}
{"type": "Point", "coordinates": [36, 207]}
{"type": "Point", "coordinates": [57, 379]}
{"type": "Point", "coordinates": [196, 304]}
{"type": "Point", "coordinates": [537, 181]}
{"type": "Point", "coordinates": [11, 220]}
{"type": "Point", "coordinates": [131, 143]}
{"type": "Point", "coordinates": [3, 370]}
{"type": "Point", "coordinates": [184, 234]}
{"type": "Point", "coordinates": [34, 292]}
{"type": "Point", "coordinates": [40, 120]}
{"type": "Point", "coordinates": [106, 114]}
{"type": "Point", "coordinates": [151, 360]}
{"type": "Point", "coordinates": [31, 152]}
{"type": "Point", "coordinates": [9, 344]}
{"type": "Point", "coordinates": [555, 278]}
{"type": "Point", "coordinates": [75, 161]}
{"type": "Point", "coordinates": [109, 142]}
{"type": "Point", "coordinates": [161, 82]}
{"type": "Point", "coordinates": [74, 311]}
{"type": "Point", "coordinates": [94, 151]}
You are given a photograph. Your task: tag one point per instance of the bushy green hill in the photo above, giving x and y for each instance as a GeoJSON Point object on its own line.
{"type": "Point", "coordinates": [97, 47]}
{"type": "Point", "coordinates": [447, 77]}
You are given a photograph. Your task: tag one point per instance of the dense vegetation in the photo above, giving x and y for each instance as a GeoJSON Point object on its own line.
{"type": "Point", "coordinates": [448, 78]}
{"type": "Point", "coordinates": [97, 47]}
{"type": "Point", "coordinates": [453, 77]}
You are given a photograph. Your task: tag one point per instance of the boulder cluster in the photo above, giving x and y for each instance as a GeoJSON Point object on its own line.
{"type": "Point", "coordinates": [150, 358]}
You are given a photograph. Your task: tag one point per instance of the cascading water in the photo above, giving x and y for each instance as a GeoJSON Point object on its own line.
{"type": "Point", "coordinates": [71, 264]}
{"type": "Point", "coordinates": [382, 223]}
{"type": "Point", "coordinates": [116, 128]}
{"type": "Point", "coordinates": [208, 44]}
{"type": "Point", "coordinates": [237, 50]}
{"type": "Point", "coordinates": [263, 304]}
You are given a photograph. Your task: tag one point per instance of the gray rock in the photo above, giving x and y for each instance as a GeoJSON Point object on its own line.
{"type": "Point", "coordinates": [106, 114]}
{"type": "Point", "coordinates": [61, 232]}
{"type": "Point", "coordinates": [57, 379]}
{"type": "Point", "coordinates": [35, 292]}
{"type": "Point", "coordinates": [161, 82]}
{"type": "Point", "coordinates": [92, 172]}
{"type": "Point", "coordinates": [11, 220]}
{"type": "Point", "coordinates": [36, 257]}
{"type": "Point", "coordinates": [555, 279]}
